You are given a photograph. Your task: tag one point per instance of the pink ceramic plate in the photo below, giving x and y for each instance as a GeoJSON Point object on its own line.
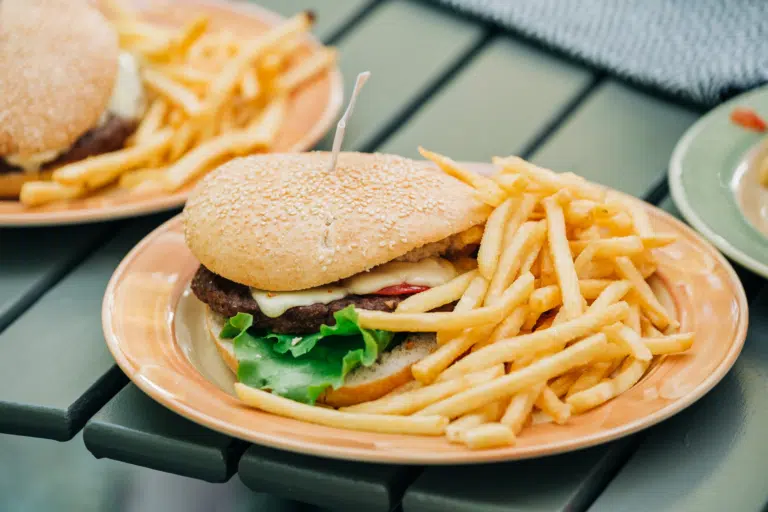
{"type": "Point", "coordinates": [154, 328]}
{"type": "Point", "coordinates": [311, 112]}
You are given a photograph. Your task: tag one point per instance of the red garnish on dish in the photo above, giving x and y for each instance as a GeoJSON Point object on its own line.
{"type": "Point", "coordinates": [402, 289]}
{"type": "Point", "coordinates": [748, 119]}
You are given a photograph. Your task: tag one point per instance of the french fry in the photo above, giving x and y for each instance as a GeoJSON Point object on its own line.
{"type": "Point", "coordinates": [670, 344]}
{"type": "Point", "coordinates": [132, 179]}
{"type": "Point", "coordinates": [510, 262]}
{"type": "Point", "coordinates": [427, 370]}
{"type": "Point", "coordinates": [306, 70]}
{"type": "Point", "coordinates": [563, 383]}
{"type": "Point", "coordinates": [438, 295]}
{"type": "Point", "coordinates": [640, 219]}
{"type": "Point", "coordinates": [36, 193]}
{"type": "Point", "coordinates": [249, 85]}
{"type": "Point", "coordinates": [601, 393]}
{"type": "Point", "coordinates": [152, 121]}
{"type": "Point", "coordinates": [187, 75]}
{"type": "Point", "coordinates": [259, 135]}
{"type": "Point", "coordinates": [489, 191]}
{"type": "Point", "coordinates": [229, 77]}
{"type": "Point", "coordinates": [189, 34]}
{"type": "Point", "coordinates": [619, 224]}
{"type": "Point", "coordinates": [633, 319]}
{"type": "Point", "coordinates": [649, 242]}
{"type": "Point", "coordinates": [431, 322]}
{"type": "Point", "coordinates": [579, 213]}
{"type": "Point", "coordinates": [573, 302]}
{"type": "Point", "coordinates": [172, 91]}
{"type": "Point", "coordinates": [490, 435]}
{"type": "Point", "coordinates": [551, 180]}
{"type": "Point", "coordinates": [611, 294]}
{"type": "Point", "coordinates": [181, 141]}
{"type": "Point", "coordinates": [99, 170]}
{"type": "Point", "coordinates": [545, 298]}
{"type": "Point", "coordinates": [520, 215]}
{"type": "Point", "coordinates": [508, 328]}
{"type": "Point", "coordinates": [608, 248]}
{"type": "Point", "coordinates": [648, 301]}
{"type": "Point", "coordinates": [408, 402]}
{"type": "Point", "coordinates": [594, 375]}
{"type": "Point", "coordinates": [520, 407]}
{"type": "Point", "coordinates": [578, 354]}
{"type": "Point", "coordinates": [472, 298]}
{"type": "Point", "coordinates": [493, 238]}
{"type": "Point", "coordinates": [430, 367]}
{"type": "Point", "coordinates": [545, 339]}
{"type": "Point", "coordinates": [456, 430]}
{"type": "Point", "coordinates": [549, 403]}
{"type": "Point", "coordinates": [532, 257]}
{"type": "Point", "coordinates": [600, 269]}
{"type": "Point", "coordinates": [622, 335]}
{"type": "Point", "coordinates": [384, 423]}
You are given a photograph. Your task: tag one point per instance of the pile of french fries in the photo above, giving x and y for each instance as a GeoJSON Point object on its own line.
{"type": "Point", "coordinates": [556, 318]}
{"type": "Point", "coordinates": [212, 96]}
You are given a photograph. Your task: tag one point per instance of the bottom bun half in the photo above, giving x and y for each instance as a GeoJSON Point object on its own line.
{"type": "Point", "coordinates": [10, 183]}
{"type": "Point", "coordinates": [392, 370]}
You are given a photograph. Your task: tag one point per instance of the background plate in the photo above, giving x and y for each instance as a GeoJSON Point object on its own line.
{"type": "Point", "coordinates": [311, 112]}
{"type": "Point", "coordinates": [153, 327]}
{"type": "Point", "coordinates": [714, 182]}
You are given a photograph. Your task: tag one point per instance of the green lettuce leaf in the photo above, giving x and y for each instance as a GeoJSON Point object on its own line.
{"type": "Point", "coordinates": [301, 367]}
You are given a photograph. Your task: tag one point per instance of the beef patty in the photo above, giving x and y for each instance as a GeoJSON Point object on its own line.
{"type": "Point", "coordinates": [229, 298]}
{"type": "Point", "coordinates": [109, 136]}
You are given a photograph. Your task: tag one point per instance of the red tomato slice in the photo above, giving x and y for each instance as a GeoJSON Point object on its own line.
{"type": "Point", "coordinates": [748, 119]}
{"type": "Point", "coordinates": [402, 289]}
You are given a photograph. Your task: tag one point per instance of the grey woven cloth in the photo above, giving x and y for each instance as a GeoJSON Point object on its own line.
{"type": "Point", "coordinates": [699, 50]}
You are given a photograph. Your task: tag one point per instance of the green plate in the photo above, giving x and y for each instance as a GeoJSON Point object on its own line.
{"type": "Point", "coordinates": [713, 180]}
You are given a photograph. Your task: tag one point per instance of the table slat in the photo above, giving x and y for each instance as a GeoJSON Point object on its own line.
{"type": "Point", "coordinates": [713, 456]}
{"type": "Point", "coordinates": [55, 369]}
{"type": "Point", "coordinates": [175, 445]}
{"type": "Point", "coordinates": [331, 16]}
{"type": "Point", "coordinates": [336, 484]}
{"type": "Point", "coordinates": [38, 475]}
{"type": "Point", "coordinates": [407, 47]}
{"type": "Point", "coordinates": [610, 108]}
{"type": "Point", "coordinates": [495, 106]}
{"type": "Point", "coordinates": [32, 259]}
{"type": "Point", "coordinates": [619, 137]}
{"type": "Point", "coordinates": [529, 485]}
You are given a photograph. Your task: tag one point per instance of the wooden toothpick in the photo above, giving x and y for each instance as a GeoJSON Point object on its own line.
{"type": "Point", "coordinates": [341, 127]}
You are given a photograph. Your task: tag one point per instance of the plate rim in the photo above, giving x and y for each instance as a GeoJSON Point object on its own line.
{"type": "Point", "coordinates": [158, 204]}
{"type": "Point", "coordinates": [680, 198]}
{"type": "Point", "coordinates": [475, 457]}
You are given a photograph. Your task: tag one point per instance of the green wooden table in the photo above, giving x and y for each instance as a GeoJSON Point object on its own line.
{"type": "Point", "coordinates": [455, 86]}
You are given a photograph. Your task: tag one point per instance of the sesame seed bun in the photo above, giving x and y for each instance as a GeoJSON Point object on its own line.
{"type": "Point", "coordinates": [285, 222]}
{"type": "Point", "coordinates": [59, 63]}
{"type": "Point", "coordinates": [363, 384]}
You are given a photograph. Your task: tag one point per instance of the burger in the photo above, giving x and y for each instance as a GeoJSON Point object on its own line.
{"type": "Point", "coordinates": [289, 250]}
{"type": "Point", "coordinates": [67, 91]}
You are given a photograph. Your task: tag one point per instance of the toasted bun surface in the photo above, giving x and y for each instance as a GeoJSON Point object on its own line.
{"type": "Point", "coordinates": [10, 183]}
{"type": "Point", "coordinates": [284, 222]}
{"type": "Point", "coordinates": [59, 64]}
{"type": "Point", "coordinates": [392, 370]}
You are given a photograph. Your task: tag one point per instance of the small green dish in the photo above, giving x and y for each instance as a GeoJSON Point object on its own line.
{"type": "Point", "coordinates": [713, 178]}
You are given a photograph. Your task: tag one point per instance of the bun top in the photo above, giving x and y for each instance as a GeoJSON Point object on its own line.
{"type": "Point", "coordinates": [284, 222]}
{"type": "Point", "coordinates": [59, 62]}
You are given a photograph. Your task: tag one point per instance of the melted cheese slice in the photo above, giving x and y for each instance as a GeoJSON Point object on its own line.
{"type": "Point", "coordinates": [127, 101]}
{"type": "Point", "coordinates": [429, 272]}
